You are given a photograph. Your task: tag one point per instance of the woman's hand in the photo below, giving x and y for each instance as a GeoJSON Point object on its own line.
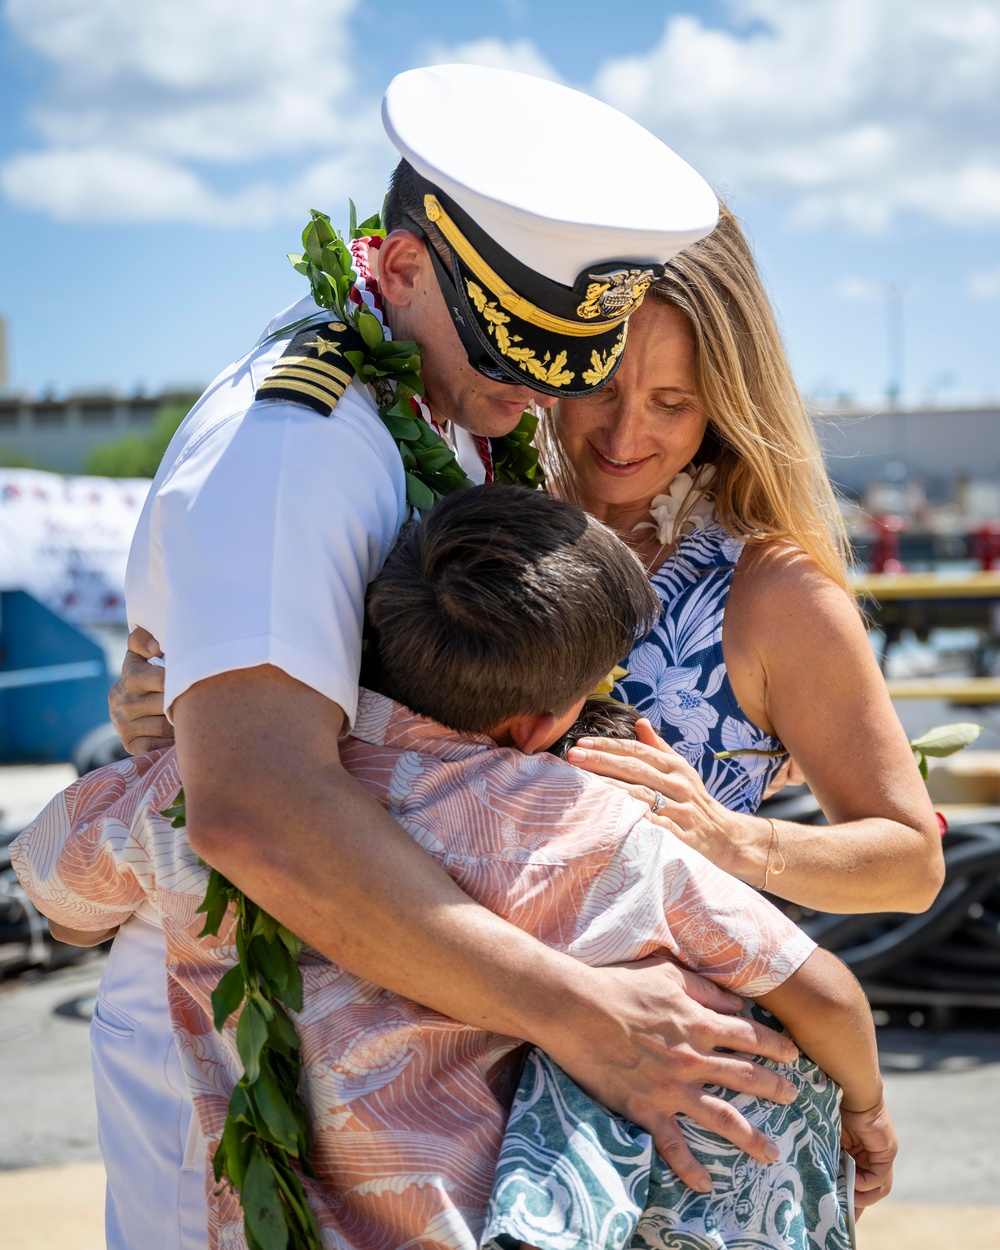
{"type": "Point", "coordinates": [135, 701]}
{"type": "Point", "coordinates": [654, 773]}
{"type": "Point", "coordinates": [869, 1138]}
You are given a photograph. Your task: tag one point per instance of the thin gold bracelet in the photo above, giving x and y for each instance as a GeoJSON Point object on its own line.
{"type": "Point", "coordinates": [772, 868]}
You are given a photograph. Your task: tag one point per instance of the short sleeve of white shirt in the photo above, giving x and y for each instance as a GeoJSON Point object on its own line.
{"type": "Point", "coordinates": [261, 540]}
{"type": "Point", "coordinates": [658, 888]}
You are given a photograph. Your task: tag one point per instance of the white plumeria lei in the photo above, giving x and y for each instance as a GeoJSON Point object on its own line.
{"type": "Point", "coordinates": [687, 506]}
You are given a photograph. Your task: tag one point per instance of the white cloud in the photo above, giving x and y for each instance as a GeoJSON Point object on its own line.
{"type": "Point", "coordinates": [223, 80]}
{"type": "Point", "coordinates": [860, 290]}
{"type": "Point", "coordinates": [846, 112]}
{"type": "Point", "coordinates": [100, 184]}
{"type": "Point", "coordinates": [87, 184]}
{"type": "Point", "coordinates": [521, 56]}
{"type": "Point", "coordinates": [149, 103]}
{"type": "Point", "coordinates": [985, 285]}
{"type": "Point", "coordinates": [852, 111]}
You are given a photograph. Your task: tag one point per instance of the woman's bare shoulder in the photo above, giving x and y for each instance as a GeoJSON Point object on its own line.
{"type": "Point", "coordinates": [775, 577]}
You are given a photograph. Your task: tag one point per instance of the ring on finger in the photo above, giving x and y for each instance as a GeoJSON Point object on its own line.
{"type": "Point", "coordinates": [659, 802]}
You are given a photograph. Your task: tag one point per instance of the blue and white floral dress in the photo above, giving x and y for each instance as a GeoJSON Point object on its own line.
{"type": "Point", "coordinates": [677, 677]}
{"type": "Point", "coordinates": [572, 1176]}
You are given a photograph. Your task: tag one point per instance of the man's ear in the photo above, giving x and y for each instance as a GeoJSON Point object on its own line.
{"type": "Point", "coordinates": [402, 265]}
{"type": "Point", "coordinates": [533, 733]}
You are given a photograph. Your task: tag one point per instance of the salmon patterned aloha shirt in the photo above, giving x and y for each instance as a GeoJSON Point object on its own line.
{"type": "Point", "coordinates": [407, 1107]}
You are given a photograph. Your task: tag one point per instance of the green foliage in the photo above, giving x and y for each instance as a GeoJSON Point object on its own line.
{"type": "Point", "coordinates": [515, 460]}
{"type": "Point", "coordinates": [940, 741]}
{"type": "Point", "coordinates": [943, 740]}
{"type": "Point", "coordinates": [11, 458]}
{"type": "Point", "coordinates": [266, 1127]}
{"type": "Point", "coordinates": [392, 369]}
{"type": "Point", "coordinates": [138, 455]}
{"type": "Point", "coordinates": [729, 755]}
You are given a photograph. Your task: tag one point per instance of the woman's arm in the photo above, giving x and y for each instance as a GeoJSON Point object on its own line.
{"type": "Point", "coordinates": [803, 671]}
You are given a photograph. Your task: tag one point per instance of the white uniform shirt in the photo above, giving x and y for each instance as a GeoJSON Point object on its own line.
{"type": "Point", "coordinates": [262, 530]}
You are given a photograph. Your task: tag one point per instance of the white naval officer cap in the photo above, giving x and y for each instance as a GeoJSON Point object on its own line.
{"type": "Point", "coordinates": [557, 211]}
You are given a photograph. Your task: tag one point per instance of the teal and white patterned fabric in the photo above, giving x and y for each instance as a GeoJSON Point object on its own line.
{"type": "Point", "coordinates": [572, 1176]}
{"type": "Point", "coordinates": [678, 679]}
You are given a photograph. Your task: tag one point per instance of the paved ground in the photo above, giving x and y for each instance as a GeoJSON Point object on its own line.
{"type": "Point", "coordinates": [46, 1097]}
{"type": "Point", "coordinates": [944, 1090]}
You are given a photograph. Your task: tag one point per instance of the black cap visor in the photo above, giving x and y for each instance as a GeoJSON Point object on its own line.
{"type": "Point", "coordinates": [517, 325]}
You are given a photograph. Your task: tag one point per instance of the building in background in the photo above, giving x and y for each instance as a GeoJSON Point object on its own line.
{"type": "Point", "coordinates": [953, 453]}
{"type": "Point", "coordinates": [59, 434]}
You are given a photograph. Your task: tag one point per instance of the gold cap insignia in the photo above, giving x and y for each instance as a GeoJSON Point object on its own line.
{"type": "Point", "coordinates": [615, 294]}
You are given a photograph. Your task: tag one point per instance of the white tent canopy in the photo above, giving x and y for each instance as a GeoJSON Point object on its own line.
{"type": "Point", "coordinates": [65, 540]}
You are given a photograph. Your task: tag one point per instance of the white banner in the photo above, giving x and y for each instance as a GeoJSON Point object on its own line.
{"type": "Point", "coordinates": [65, 540]}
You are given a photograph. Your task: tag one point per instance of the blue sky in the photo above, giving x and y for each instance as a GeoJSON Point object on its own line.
{"type": "Point", "coordinates": [157, 161]}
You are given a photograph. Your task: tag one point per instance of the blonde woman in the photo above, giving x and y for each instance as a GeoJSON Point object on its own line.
{"type": "Point", "coordinates": [760, 647]}
{"type": "Point", "coordinates": [700, 454]}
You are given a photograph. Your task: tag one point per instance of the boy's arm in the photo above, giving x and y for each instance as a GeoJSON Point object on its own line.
{"type": "Point", "coordinates": [825, 1010]}
{"type": "Point", "coordinates": [78, 862]}
{"type": "Point", "coordinates": [725, 930]}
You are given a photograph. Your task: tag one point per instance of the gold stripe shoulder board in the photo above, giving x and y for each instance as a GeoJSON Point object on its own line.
{"type": "Point", "coordinates": [313, 369]}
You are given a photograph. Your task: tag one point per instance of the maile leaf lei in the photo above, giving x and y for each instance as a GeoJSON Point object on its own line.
{"type": "Point", "coordinates": [266, 1126]}
{"type": "Point", "coordinates": [392, 369]}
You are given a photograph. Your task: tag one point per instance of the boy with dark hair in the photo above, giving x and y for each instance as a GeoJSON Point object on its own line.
{"type": "Point", "coordinates": [407, 1107]}
{"type": "Point", "coordinates": [504, 600]}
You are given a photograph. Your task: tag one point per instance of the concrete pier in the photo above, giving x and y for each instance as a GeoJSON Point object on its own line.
{"type": "Point", "coordinates": [944, 1090]}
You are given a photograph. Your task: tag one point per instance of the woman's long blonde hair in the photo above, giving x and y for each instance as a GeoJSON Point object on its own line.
{"type": "Point", "coordinates": [770, 478]}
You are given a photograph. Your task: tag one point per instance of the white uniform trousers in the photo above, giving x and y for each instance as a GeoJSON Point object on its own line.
{"type": "Point", "coordinates": [153, 1151]}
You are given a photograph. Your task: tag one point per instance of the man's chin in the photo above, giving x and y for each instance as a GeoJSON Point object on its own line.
{"type": "Point", "coordinates": [491, 418]}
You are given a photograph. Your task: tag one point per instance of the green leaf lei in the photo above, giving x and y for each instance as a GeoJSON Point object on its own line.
{"type": "Point", "coordinates": [266, 1126]}
{"type": "Point", "coordinates": [432, 471]}
{"type": "Point", "coordinates": [266, 1131]}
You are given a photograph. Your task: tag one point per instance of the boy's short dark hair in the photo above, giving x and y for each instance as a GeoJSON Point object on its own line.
{"type": "Point", "coordinates": [504, 602]}
{"type": "Point", "coordinates": [600, 717]}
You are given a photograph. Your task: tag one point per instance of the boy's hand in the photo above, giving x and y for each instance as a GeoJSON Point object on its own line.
{"type": "Point", "coordinates": [789, 774]}
{"type": "Point", "coordinates": [870, 1139]}
{"type": "Point", "coordinates": [135, 701]}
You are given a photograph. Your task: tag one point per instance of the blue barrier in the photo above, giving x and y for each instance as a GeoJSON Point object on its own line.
{"type": "Point", "coordinates": [54, 682]}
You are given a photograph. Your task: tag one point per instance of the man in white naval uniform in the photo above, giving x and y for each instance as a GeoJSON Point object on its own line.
{"type": "Point", "coordinates": [264, 526]}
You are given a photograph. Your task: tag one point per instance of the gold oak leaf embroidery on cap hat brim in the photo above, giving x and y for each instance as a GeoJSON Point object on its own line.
{"type": "Point", "coordinates": [601, 366]}
{"type": "Point", "coordinates": [551, 372]}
